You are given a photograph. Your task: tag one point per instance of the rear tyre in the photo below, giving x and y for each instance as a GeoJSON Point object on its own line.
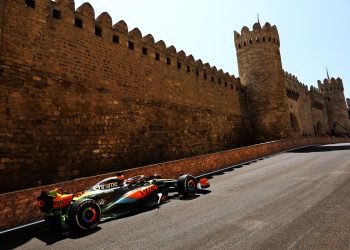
{"type": "Point", "coordinates": [186, 185]}
{"type": "Point", "coordinates": [84, 214]}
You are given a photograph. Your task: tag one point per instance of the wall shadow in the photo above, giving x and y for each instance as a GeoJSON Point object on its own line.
{"type": "Point", "coordinates": [326, 148]}
{"type": "Point", "coordinates": [45, 232]}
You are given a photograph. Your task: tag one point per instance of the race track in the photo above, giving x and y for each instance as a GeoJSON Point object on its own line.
{"type": "Point", "coordinates": [293, 200]}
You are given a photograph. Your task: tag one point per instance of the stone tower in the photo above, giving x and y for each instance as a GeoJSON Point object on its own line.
{"type": "Point", "coordinates": [260, 70]}
{"type": "Point", "coordinates": [338, 118]}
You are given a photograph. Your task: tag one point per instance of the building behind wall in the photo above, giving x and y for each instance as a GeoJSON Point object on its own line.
{"type": "Point", "coordinates": [80, 96]}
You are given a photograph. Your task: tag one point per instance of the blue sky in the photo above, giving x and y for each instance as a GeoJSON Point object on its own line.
{"type": "Point", "coordinates": [314, 34]}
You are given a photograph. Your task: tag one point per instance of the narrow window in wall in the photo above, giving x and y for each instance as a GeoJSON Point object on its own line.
{"type": "Point", "coordinates": [56, 14]}
{"type": "Point", "coordinates": [30, 3]}
{"type": "Point", "coordinates": [168, 61]}
{"type": "Point", "coordinates": [98, 31]}
{"type": "Point", "coordinates": [225, 84]}
{"type": "Point", "coordinates": [251, 41]}
{"type": "Point", "coordinates": [157, 56]}
{"type": "Point", "coordinates": [263, 39]}
{"type": "Point", "coordinates": [178, 65]}
{"type": "Point", "coordinates": [197, 72]}
{"type": "Point", "coordinates": [144, 51]}
{"type": "Point", "coordinates": [239, 45]}
{"type": "Point", "coordinates": [78, 23]}
{"type": "Point", "coordinates": [219, 81]}
{"type": "Point", "coordinates": [115, 39]}
{"type": "Point", "coordinates": [270, 39]}
{"type": "Point", "coordinates": [205, 76]}
{"type": "Point", "coordinates": [212, 79]}
{"type": "Point", "coordinates": [188, 69]}
{"type": "Point", "coordinates": [245, 44]}
{"type": "Point", "coordinates": [131, 45]}
{"type": "Point", "coordinates": [231, 86]}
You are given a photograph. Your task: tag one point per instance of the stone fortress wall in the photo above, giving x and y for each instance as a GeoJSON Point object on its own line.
{"type": "Point", "coordinates": [80, 96]}
{"type": "Point", "coordinates": [281, 106]}
{"type": "Point", "coordinates": [260, 70]}
{"type": "Point", "coordinates": [333, 92]}
{"type": "Point", "coordinates": [300, 105]}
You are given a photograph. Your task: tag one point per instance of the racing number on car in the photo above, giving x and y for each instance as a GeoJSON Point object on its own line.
{"type": "Point", "coordinates": [141, 192]}
{"type": "Point", "coordinates": [145, 191]}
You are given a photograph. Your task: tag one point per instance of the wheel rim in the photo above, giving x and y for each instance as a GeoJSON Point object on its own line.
{"type": "Point", "coordinates": [191, 185]}
{"type": "Point", "coordinates": [89, 215]}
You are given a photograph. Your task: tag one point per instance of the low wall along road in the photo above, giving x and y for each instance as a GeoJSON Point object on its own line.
{"type": "Point", "coordinates": [20, 207]}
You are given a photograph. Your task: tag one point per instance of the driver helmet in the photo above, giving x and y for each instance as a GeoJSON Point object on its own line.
{"type": "Point", "coordinates": [120, 179]}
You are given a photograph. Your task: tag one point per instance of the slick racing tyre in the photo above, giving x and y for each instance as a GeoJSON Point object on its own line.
{"type": "Point", "coordinates": [186, 185]}
{"type": "Point", "coordinates": [84, 214]}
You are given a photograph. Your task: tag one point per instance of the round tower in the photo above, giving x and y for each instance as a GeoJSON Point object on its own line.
{"type": "Point", "coordinates": [260, 70]}
{"type": "Point", "coordinates": [338, 118]}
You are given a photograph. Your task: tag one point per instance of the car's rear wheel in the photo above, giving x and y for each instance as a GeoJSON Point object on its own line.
{"type": "Point", "coordinates": [186, 185]}
{"type": "Point", "coordinates": [84, 214]}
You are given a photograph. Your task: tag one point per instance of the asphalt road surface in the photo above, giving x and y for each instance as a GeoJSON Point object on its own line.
{"type": "Point", "coordinates": [294, 200]}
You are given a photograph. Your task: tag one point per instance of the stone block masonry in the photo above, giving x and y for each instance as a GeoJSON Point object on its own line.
{"type": "Point", "coordinates": [80, 97]}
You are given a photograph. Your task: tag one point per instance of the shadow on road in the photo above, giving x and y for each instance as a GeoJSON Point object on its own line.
{"type": "Point", "coordinates": [326, 148]}
{"type": "Point", "coordinates": [41, 231]}
{"type": "Point", "coordinates": [232, 168]}
{"type": "Point", "coordinates": [45, 233]}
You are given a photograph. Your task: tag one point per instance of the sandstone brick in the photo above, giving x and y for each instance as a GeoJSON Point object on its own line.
{"type": "Point", "coordinates": [4, 160]}
{"type": "Point", "coordinates": [90, 104]}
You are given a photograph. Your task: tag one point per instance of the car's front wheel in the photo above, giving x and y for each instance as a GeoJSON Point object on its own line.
{"type": "Point", "coordinates": [186, 185]}
{"type": "Point", "coordinates": [84, 214]}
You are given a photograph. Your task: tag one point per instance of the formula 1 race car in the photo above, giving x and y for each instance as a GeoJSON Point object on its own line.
{"type": "Point", "coordinates": [112, 197]}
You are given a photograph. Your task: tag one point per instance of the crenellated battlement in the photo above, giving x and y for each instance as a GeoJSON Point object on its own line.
{"type": "Point", "coordinates": [333, 91]}
{"type": "Point", "coordinates": [83, 95]}
{"type": "Point", "coordinates": [317, 98]}
{"type": "Point", "coordinates": [89, 95]}
{"type": "Point", "coordinates": [316, 90]}
{"type": "Point", "coordinates": [258, 35]}
{"type": "Point", "coordinates": [83, 17]}
{"type": "Point", "coordinates": [260, 69]}
{"type": "Point", "coordinates": [330, 85]}
{"type": "Point", "coordinates": [295, 88]}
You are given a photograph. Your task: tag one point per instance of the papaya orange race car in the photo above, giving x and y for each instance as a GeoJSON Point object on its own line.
{"type": "Point", "coordinates": [113, 197]}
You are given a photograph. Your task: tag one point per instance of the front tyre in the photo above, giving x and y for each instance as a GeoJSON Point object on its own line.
{"type": "Point", "coordinates": [84, 214]}
{"type": "Point", "coordinates": [186, 185]}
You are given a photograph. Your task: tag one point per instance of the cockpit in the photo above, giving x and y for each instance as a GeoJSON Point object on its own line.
{"type": "Point", "coordinates": [109, 183]}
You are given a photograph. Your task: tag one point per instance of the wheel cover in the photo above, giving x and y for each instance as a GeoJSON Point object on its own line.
{"type": "Point", "coordinates": [89, 214]}
{"type": "Point", "coordinates": [191, 185]}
